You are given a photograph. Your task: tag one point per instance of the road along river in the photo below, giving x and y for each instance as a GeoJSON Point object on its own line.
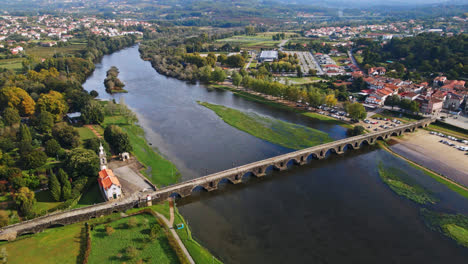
{"type": "Point", "coordinates": [335, 210]}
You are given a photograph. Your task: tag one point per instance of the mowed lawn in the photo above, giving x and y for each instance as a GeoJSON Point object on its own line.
{"type": "Point", "coordinates": [45, 201]}
{"type": "Point", "coordinates": [282, 133]}
{"type": "Point", "coordinates": [111, 248]}
{"type": "Point", "coordinates": [59, 245]}
{"type": "Point", "coordinates": [90, 197]}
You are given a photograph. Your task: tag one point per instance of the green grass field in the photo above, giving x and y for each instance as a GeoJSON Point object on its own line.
{"type": "Point", "coordinates": [112, 248]}
{"type": "Point", "coordinates": [303, 80]}
{"type": "Point", "coordinates": [447, 131]}
{"type": "Point", "coordinates": [276, 131]}
{"type": "Point", "coordinates": [162, 171]}
{"type": "Point", "coordinates": [45, 201]}
{"type": "Point", "coordinates": [258, 40]}
{"type": "Point", "coordinates": [12, 64]}
{"type": "Point", "coordinates": [46, 52]}
{"type": "Point", "coordinates": [59, 245]}
{"type": "Point", "coordinates": [90, 197]}
{"type": "Point", "coordinates": [198, 252]}
{"type": "Point", "coordinates": [398, 181]}
{"type": "Point", "coordinates": [85, 133]}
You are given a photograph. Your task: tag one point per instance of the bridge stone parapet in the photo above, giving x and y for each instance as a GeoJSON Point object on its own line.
{"type": "Point", "coordinates": [208, 182]}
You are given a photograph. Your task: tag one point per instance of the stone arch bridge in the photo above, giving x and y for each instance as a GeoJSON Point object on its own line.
{"type": "Point", "coordinates": [208, 182]}
{"type": "Point", "coordinates": [300, 157]}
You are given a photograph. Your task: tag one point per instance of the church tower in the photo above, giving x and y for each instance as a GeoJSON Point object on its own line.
{"type": "Point", "coordinates": [102, 157]}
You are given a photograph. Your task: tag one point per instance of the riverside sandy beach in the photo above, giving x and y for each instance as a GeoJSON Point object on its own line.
{"type": "Point", "coordinates": [426, 150]}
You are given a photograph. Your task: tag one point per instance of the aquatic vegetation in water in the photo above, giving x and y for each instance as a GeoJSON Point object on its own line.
{"type": "Point", "coordinates": [399, 182]}
{"type": "Point", "coordinates": [451, 225]}
{"type": "Point", "coordinates": [273, 130]}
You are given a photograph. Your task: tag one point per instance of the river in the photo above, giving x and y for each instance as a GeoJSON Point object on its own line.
{"type": "Point", "coordinates": [335, 210]}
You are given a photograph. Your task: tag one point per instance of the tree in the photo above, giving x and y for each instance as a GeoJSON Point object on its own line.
{"type": "Point", "coordinates": [235, 61]}
{"type": "Point", "coordinates": [154, 231]}
{"type": "Point", "coordinates": [34, 159]}
{"type": "Point", "coordinates": [11, 116]}
{"type": "Point", "coordinates": [131, 252]}
{"type": "Point", "coordinates": [414, 107]}
{"type": "Point", "coordinates": [315, 98]}
{"type": "Point", "coordinates": [51, 147]}
{"type": "Point", "coordinates": [356, 111]}
{"type": "Point", "coordinates": [92, 113]}
{"type": "Point", "coordinates": [330, 100]}
{"type": "Point", "coordinates": [82, 163]}
{"type": "Point", "coordinates": [132, 222]}
{"type": "Point", "coordinates": [54, 187]}
{"type": "Point", "coordinates": [45, 122]}
{"type": "Point", "coordinates": [4, 219]}
{"type": "Point", "coordinates": [117, 139]}
{"type": "Point", "coordinates": [358, 85]}
{"type": "Point", "coordinates": [205, 74]}
{"type": "Point", "coordinates": [54, 103]}
{"type": "Point", "coordinates": [66, 135]}
{"type": "Point", "coordinates": [218, 75]}
{"type": "Point", "coordinates": [66, 185]}
{"type": "Point", "coordinates": [236, 79]}
{"type": "Point", "coordinates": [299, 71]}
{"type": "Point", "coordinates": [94, 94]}
{"type": "Point", "coordinates": [18, 99]}
{"type": "Point", "coordinates": [25, 200]}
{"type": "Point", "coordinates": [355, 131]}
{"type": "Point", "coordinates": [24, 134]}
{"type": "Point", "coordinates": [109, 230]}
{"type": "Point", "coordinates": [392, 100]}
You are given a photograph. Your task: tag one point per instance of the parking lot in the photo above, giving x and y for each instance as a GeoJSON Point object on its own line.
{"type": "Point", "coordinates": [306, 61]}
{"type": "Point", "coordinates": [379, 124]}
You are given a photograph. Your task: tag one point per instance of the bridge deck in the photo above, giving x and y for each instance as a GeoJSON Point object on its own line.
{"type": "Point", "coordinates": [185, 188]}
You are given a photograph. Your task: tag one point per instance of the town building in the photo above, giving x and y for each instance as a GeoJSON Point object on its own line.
{"type": "Point", "coordinates": [429, 105]}
{"type": "Point", "coordinates": [268, 56]}
{"type": "Point", "coordinates": [452, 101]}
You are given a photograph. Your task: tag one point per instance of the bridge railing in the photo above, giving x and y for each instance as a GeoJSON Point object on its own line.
{"type": "Point", "coordinates": [214, 176]}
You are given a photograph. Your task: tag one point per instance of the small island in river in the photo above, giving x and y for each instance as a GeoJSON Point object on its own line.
{"type": "Point", "coordinates": [112, 82]}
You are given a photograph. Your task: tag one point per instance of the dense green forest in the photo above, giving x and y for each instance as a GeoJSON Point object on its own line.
{"type": "Point", "coordinates": [37, 147]}
{"type": "Point", "coordinates": [420, 56]}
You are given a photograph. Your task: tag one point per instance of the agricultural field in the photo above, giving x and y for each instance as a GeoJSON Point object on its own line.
{"type": "Point", "coordinates": [251, 41]}
{"type": "Point", "coordinates": [12, 64]}
{"type": "Point", "coordinates": [45, 52]}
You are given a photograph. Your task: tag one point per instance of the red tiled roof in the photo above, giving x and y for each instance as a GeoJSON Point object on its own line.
{"type": "Point", "coordinates": [107, 178]}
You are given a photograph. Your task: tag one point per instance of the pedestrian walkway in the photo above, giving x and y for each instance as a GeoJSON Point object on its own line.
{"type": "Point", "coordinates": [93, 130]}
{"type": "Point", "coordinates": [170, 223]}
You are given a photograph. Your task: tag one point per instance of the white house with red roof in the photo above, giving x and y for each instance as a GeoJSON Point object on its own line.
{"type": "Point", "coordinates": [109, 184]}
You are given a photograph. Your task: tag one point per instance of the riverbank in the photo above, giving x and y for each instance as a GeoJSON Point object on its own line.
{"type": "Point", "coordinates": [279, 103]}
{"type": "Point", "coordinates": [454, 186]}
{"type": "Point", "coordinates": [425, 149]}
{"type": "Point", "coordinates": [282, 133]}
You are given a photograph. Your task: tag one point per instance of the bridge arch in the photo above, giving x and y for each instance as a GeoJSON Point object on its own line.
{"type": "Point", "coordinates": [312, 156]}
{"type": "Point", "coordinates": [349, 146]}
{"type": "Point", "coordinates": [198, 188]}
{"type": "Point", "coordinates": [175, 195]}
